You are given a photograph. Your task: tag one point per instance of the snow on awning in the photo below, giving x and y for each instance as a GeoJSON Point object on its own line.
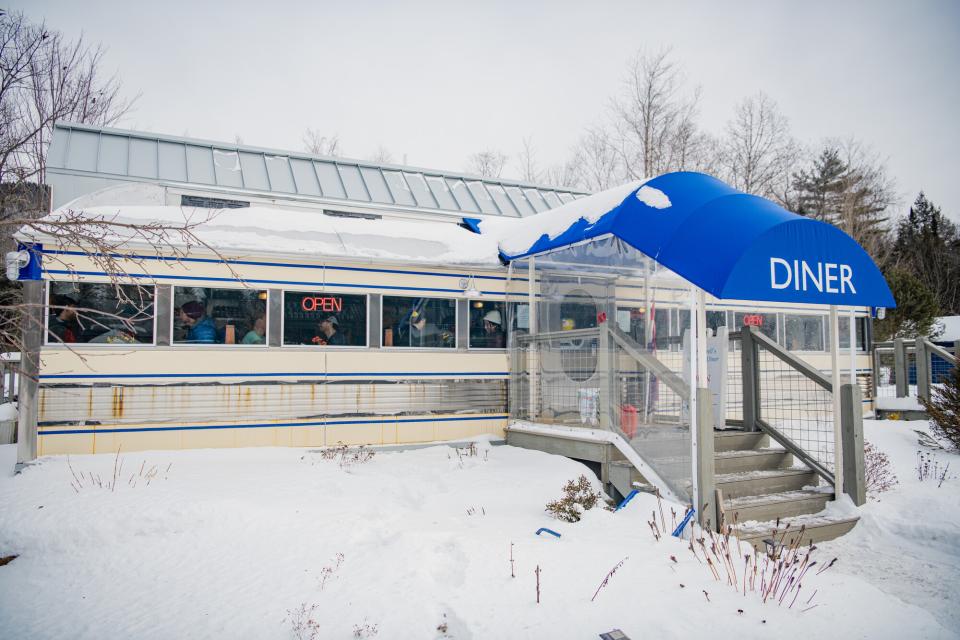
{"type": "Point", "coordinates": [731, 244]}
{"type": "Point", "coordinates": [271, 231]}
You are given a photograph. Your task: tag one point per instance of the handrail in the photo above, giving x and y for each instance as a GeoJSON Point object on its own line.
{"type": "Point", "coordinates": [555, 335]}
{"type": "Point", "coordinates": [651, 363]}
{"type": "Point", "coordinates": [796, 450]}
{"type": "Point", "coordinates": [792, 360]}
{"type": "Point", "coordinates": [940, 351]}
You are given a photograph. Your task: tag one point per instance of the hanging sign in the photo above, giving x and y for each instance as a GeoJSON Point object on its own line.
{"type": "Point", "coordinates": [321, 303]}
{"type": "Point", "coordinates": [753, 320]}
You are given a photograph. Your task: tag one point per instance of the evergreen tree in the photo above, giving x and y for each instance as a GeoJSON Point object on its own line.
{"type": "Point", "coordinates": [916, 310]}
{"type": "Point", "coordinates": [848, 187]}
{"type": "Point", "coordinates": [819, 188]}
{"type": "Point", "coordinates": [928, 246]}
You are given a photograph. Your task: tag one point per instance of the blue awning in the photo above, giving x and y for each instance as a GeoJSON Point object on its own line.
{"type": "Point", "coordinates": [731, 244]}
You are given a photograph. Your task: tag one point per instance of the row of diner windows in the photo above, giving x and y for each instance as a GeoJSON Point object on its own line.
{"type": "Point", "coordinates": [102, 313]}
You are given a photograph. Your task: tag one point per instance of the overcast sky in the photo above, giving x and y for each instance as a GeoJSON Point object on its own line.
{"type": "Point", "coordinates": [435, 82]}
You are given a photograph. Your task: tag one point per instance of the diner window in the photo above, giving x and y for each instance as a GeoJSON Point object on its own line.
{"type": "Point", "coordinates": [803, 333]}
{"type": "Point", "coordinates": [661, 327]}
{"type": "Point", "coordinates": [419, 322]}
{"type": "Point", "coordinates": [324, 319]}
{"type": "Point", "coordinates": [715, 320]}
{"type": "Point", "coordinates": [99, 313]}
{"type": "Point", "coordinates": [861, 325]}
{"type": "Point", "coordinates": [766, 323]}
{"type": "Point", "coordinates": [203, 315]}
{"type": "Point", "coordinates": [633, 322]}
{"type": "Point", "coordinates": [487, 325]}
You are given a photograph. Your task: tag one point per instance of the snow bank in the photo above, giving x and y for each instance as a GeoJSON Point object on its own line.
{"type": "Point", "coordinates": [889, 403]}
{"type": "Point", "coordinates": [266, 230]}
{"type": "Point", "coordinates": [227, 541]}
{"type": "Point", "coordinates": [907, 542]}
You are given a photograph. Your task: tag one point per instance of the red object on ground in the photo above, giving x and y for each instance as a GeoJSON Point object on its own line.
{"type": "Point", "coordinates": [629, 420]}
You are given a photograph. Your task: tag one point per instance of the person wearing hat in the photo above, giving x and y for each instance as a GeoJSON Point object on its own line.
{"type": "Point", "coordinates": [493, 328]}
{"type": "Point", "coordinates": [329, 333]}
{"type": "Point", "coordinates": [200, 327]}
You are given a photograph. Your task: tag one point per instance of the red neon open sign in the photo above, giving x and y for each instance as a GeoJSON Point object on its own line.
{"type": "Point", "coordinates": [321, 303]}
{"type": "Point", "coordinates": [753, 320]}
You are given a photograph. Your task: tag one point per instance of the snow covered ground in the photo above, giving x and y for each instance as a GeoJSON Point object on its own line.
{"type": "Point", "coordinates": [223, 543]}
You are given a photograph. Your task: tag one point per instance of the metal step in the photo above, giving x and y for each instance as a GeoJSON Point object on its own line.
{"type": "Point", "coordinates": [734, 440]}
{"type": "Point", "coordinates": [817, 529]}
{"type": "Point", "coordinates": [752, 460]}
{"type": "Point", "coordinates": [759, 483]}
{"type": "Point", "coordinates": [776, 505]}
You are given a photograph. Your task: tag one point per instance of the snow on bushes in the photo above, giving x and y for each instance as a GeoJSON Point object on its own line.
{"type": "Point", "coordinates": [944, 409]}
{"type": "Point", "coordinates": [578, 496]}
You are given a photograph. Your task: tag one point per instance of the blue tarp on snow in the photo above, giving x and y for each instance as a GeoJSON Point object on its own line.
{"type": "Point", "coordinates": [732, 244]}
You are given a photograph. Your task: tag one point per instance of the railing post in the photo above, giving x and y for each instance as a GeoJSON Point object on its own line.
{"type": "Point", "coordinates": [923, 368]}
{"type": "Point", "coordinates": [750, 378]}
{"type": "Point", "coordinates": [900, 372]}
{"type": "Point", "coordinates": [604, 367]}
{"type": "Point", "coordinates": [706, 482]}
{"type": "Point", "coordinates": [851, 415]}
{"type": "Point", "coordinates": [28, 405]}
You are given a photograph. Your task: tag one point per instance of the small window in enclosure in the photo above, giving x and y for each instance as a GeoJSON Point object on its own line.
{"type": "Point", "coordinates": [661, 327]}
{"type": "Point", "coordinates": [204, 315]}
{"type": "Point", "coordinates": [419, 322]}
{"type": "Point", "coordinates": [487, 325]}
{"type": "Point", "coordinates": [324, 319]}
{"type": "Point", "coordinates": [578, 310]}
{"type": "Point", "coordinates": [803, 333]}
{"type": "Point", "coordinates": [99, 313]}
{"type": "Point", "coordinates": [765, 323]}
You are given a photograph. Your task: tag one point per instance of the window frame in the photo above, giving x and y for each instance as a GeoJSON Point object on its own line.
{"type": "Point", "coordinates": [312, 347]}
{"type": "Point", "coordinates": [456, 338]}
{"type": "Point", "coordinates": [95, 345]}
{"type": "Point", "coordinates": [217, 345]}
{"type": "Point", "coordinates": [503, 317]}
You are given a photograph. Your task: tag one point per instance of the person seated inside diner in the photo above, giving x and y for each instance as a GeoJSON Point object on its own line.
{"type": "Point", "coordinates": [494, 338]}
{"type": "Point", "coordinates": [200, 327]}
{"type": "Point", "coordinates": [424, 333]}
{"type": "Point", "coordinates": [258, 334]}
{"type": "Point", "coordinates": [328, 332]}
{"type": "Point", "coordinates": [64, 325]}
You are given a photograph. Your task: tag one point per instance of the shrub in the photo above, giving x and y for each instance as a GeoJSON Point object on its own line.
{"type": "Point", "coordinates": [346, 455]}
{"type": "Point", "coordinates": [878, 470]}
{"type": "Point", "coordinates": [578, 496]}
{"type": "Point", "coordinates": [944, 409]}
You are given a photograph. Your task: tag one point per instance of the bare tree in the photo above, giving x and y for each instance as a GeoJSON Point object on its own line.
{"type": "Point", "coordinates": [757, 152]}
{"type": "Point", "coordinates": [527, 161]}
{"type": "Point", "coordinates": [654, 119]}
{"type": "Point", "coordinates": [320, 145]}
{"type": "Point", "coordinates": [487, 164]}
{"type": "Point", "coordinates": [381, 155]}
{"type": "Point", "coordinates": [47, 78]}
{"type": "Point", "coordinates": [597, 161]}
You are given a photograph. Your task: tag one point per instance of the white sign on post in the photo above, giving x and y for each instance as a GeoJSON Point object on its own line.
{"type": "Point", "coordinates": [717, 349]}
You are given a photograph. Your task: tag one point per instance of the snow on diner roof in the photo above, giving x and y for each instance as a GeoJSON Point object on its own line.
{"type": "Point", "coordinates": [259, 230]}
{"type": "Point", "coordinates": [732, 245]}
{"type": "Point", "coordinates": [132, 155]}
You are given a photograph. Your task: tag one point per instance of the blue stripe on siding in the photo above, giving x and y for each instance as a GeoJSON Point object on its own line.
{"type": "Point", "coordinates": [296, 283]}
{"type": "Point", "coordinates": [311, 374]}
{"type": "Point", "coordinates": [327, 423]}
{"type": "Point", "coordinates": [263, 263]}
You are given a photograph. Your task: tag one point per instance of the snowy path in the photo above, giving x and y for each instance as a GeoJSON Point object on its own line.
{"type": "Point", "coordinates": [228, 541]}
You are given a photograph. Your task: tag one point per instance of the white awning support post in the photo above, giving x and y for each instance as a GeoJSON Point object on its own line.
{"type": "Point", "coordinates": [533, 358]}
{"type": "Point", "coordinates": [835, 394]}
